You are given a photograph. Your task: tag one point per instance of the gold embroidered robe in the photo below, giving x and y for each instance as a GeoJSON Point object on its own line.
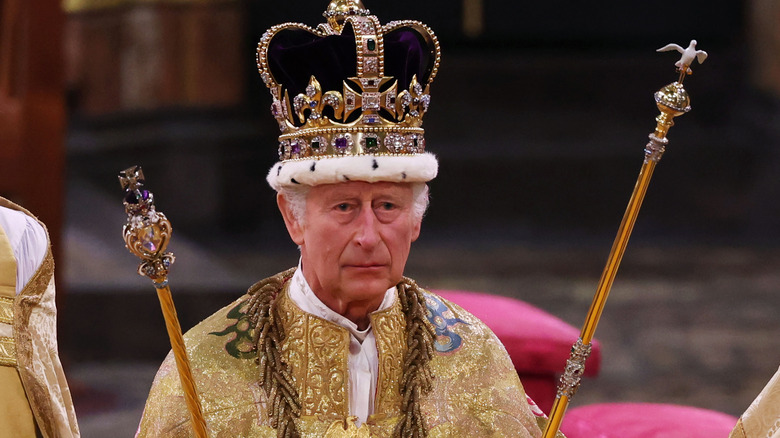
{"type": "Point", "coordinates": [476, 391]}
{"type": "Point", "coordinates": [762, 418]}
{"type": "Point", "coordinates": [33, 391]}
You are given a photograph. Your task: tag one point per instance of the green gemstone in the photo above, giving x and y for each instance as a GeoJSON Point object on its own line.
{"type": "Point", "coordinates": [315, 144]}
{"type": "Point", "coordinates": [371, 143]}
{"type": "Point", "coordinates": [371, 44]}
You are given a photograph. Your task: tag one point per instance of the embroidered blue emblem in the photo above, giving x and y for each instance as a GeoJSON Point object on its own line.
{"type": "Point", "coordinates": [443, 320]}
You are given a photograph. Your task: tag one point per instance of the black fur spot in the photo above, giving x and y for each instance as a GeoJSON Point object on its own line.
{"type": "Point", "coordinates": [374, 165]}
{"type": "Point", "coordinates": [313, 165]}
{"type": "Point", "coordinates": [403, 175]}
{"type": "Point", "coordinates": [292, 180]}
{"type": "Point", "coordinates": [278, 170]}
{"type": "Point", "coordinates": [346, 178]}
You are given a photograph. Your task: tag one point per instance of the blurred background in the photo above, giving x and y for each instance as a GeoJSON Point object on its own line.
{"type": "Point", "coordinates": [539, 117]}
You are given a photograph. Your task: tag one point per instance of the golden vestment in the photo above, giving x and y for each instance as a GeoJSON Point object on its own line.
{"type": "Point", "coordinates": [762, 418]}
{"type": "Point", "coordinates": [476, 391]}
{"type": "Point", "coordinates": [34, 394]}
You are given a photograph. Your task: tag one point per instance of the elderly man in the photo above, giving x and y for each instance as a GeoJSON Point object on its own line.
{"type": "Point", "coordinates": [344, 345]}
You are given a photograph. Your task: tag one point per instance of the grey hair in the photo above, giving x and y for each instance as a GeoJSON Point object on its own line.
{"type": "Point", "coordinates": [296, 198]}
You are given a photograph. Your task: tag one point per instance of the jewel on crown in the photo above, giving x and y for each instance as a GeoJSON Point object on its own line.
{"type": "Point", "coordinates": [351, 86]}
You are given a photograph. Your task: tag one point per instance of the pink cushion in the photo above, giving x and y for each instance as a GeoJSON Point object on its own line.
{"type": "Point", "coordinates": [537, 342]}
{"type": "Point", "coordinates": [645, 420]}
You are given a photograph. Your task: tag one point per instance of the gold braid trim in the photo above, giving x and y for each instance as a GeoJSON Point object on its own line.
{"type": "Point", "coordinates": [276, 380]}
{"type": "Point", "coordinates": [283, 403]}
{"type": "Point", "coordinates": [417, 380]}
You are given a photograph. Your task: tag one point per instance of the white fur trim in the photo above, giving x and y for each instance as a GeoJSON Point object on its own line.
{"type": "Point", "coordinates": [369, 168]}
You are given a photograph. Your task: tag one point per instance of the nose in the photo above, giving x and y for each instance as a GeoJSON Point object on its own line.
{"type": "Point", "coordinates": [367, 232]}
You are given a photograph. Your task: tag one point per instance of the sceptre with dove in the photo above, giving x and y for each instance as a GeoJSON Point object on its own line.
{"type": "Point", "coordinates": [688, 55]}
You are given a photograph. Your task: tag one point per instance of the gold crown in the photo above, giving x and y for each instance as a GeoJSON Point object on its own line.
{"type": "Point", "coordinates": [368, 105]}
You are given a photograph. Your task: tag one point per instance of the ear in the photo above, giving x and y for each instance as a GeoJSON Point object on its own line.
{"type": "Point", "coordinates": [294, 227]}
{"type": "Point", "coordinates": [416, 230]}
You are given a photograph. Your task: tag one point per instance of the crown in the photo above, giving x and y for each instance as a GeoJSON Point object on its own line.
{"type": "Point", "coordinates": [349, 94]}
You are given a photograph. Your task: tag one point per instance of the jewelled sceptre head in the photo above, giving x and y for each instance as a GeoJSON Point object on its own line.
{"type": "Point", "coordinates": [146, 234]}
{"type": "Point", "coordinates": [147, 231]}
{"type": "Point", "coordinates": [672, 101]}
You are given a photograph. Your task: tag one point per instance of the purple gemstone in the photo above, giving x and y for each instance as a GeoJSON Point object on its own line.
{"type": "Point", "coordinates": [132, 197]}
{"type": "Point", "coordinates": [341, 143]}
{"type": "Point", "coordinates": [295, 148]}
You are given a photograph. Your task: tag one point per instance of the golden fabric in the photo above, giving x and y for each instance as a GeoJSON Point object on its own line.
{"type": "Point", "coordinates": [38, 363]}
{"type": "Point", "coordinates": [6, 308]}
{"type": "Point", "coordinates": [762, 418]}
{"type": "Point", "coordinates": [7, 351]}
{"type": "Point", "coordinates": [16, 417]}
{"type": "Point", "coordinates": [476, 391]}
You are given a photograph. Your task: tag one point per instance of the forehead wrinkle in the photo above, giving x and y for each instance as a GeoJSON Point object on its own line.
{"type": "Point", "coordinates": [358, 190]}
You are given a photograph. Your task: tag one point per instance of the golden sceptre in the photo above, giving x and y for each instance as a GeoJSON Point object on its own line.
{"type": "Point", "coordinates": [672, 100]}
{"type": "Point", "coordinates": [146, 235]}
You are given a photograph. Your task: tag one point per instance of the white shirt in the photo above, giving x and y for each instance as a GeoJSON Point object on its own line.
{"type": "Point", "coordinates": [363, 362]}
{"type": "Point", "coordinates": [28, 242]}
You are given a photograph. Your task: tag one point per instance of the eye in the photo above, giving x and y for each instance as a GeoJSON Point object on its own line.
{"type": "Point", "coordinates": [387, 206]}
{"type": "Point", "coordinates": [342, 207]}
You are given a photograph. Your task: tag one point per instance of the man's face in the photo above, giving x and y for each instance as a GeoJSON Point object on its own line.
{"type": "Point", "coordinates": [355, 239]}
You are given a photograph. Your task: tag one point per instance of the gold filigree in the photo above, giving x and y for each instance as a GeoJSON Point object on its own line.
{"type": "Point", "coordinates": [149, 238]}
{"type": "Point", "coordinates": [7, 352]}
{"type": "Point", "coordinates": [6, 310]}
{"type": "Point", "coordinates": [349, 430]}
{"type": "Point", "coordinates": [389, 328]}
{"type": "Point", "coordinates": [316, 353]}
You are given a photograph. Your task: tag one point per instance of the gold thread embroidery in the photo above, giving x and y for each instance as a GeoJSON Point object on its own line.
{"type": "Point", "coordinates": [269, 310]}
{"type": "Point", "coordinates": [7, 310]}
{"type": "Point", "coordinates": [349, 430]}
{"type": "Point", "coordinates": [7, 352]}
{"type": "Point", "coordinates": [389, 328]}
{"type": "Point", "coordinates": [316, 352]}
{"type": "Point", "coordinates": [27, 301]}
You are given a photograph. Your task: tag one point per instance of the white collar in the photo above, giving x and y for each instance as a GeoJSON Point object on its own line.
{"type": "Point", "coordinates": [301, 294]}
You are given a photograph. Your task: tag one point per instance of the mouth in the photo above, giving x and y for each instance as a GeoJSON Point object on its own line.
{"type": "Point", "coordinates": [365, 266]}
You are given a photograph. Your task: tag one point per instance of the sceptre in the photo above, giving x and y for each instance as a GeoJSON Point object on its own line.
{"type": "Point", "coordinates": [672, 100]}
{"type": "Point", "coordinates": [146, 235]}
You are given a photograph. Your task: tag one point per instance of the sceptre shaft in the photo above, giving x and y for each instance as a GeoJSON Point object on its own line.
{"type": "Point", "coordinates": [146, 235]}
{"type": "Point", "coordinates": [672, 101]}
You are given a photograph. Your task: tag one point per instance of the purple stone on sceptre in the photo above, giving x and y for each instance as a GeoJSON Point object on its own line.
{"type": "Point", "coordinates": [341, 143]}
{"type": "Point", "coordinates": [139, 197]}
{"type": "Point", "coordinates": [132, 197]}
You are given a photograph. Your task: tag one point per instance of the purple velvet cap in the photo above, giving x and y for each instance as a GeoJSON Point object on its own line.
{"type": "Point", "coordinates": [295, 55]}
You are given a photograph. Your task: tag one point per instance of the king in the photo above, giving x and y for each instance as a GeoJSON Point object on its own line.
{"type": "Point", "coordinates": [344, 345]}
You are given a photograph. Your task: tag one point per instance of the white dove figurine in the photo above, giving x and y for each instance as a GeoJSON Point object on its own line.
{"type": "Point", "coordinates": [688, 54]}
